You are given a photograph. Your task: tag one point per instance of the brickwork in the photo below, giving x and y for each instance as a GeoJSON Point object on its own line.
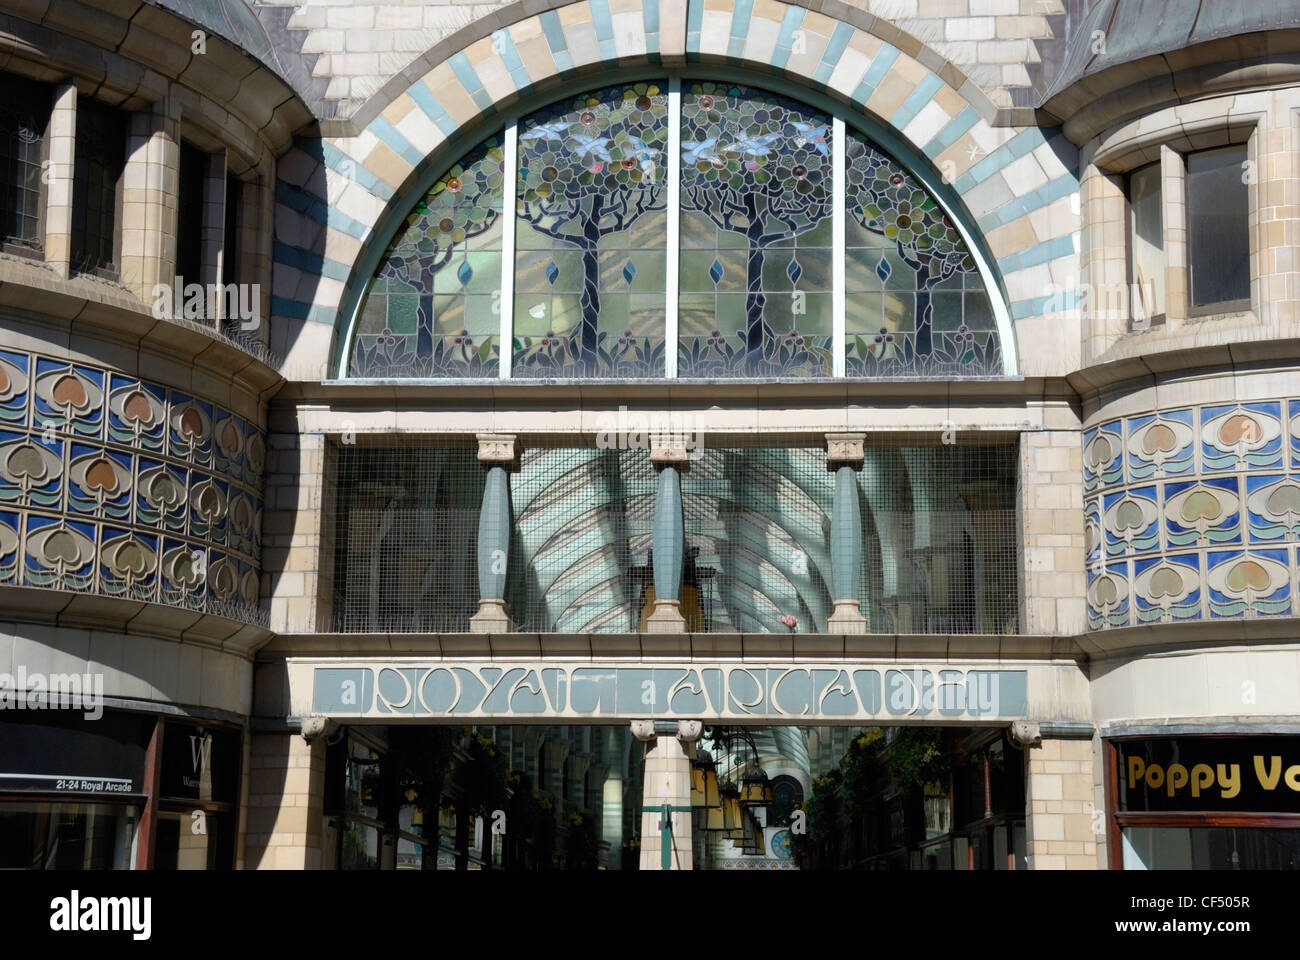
{"type": "Point", "coordinates": [1059, 800]}
{"type": "Point", "coordinates": [293, 559]}
{"type": "Point", "coordinates": [286, 797]}
{"type": "Point", "coordinates": [1052, 536]}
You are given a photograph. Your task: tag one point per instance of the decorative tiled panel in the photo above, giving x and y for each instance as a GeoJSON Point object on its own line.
{"type": "Point", "coordinates": [114, 486]}
{"type": "Point", "coordinates": [1193, 514]}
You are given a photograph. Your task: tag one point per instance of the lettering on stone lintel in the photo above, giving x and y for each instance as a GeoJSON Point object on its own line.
{"type": "Point", "coordinates": [848, 692]}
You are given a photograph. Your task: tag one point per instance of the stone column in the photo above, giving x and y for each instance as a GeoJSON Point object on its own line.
{"type": "Point", "coordinates": [1059, 821]}
{"type": "Point", "coordinates": [149, 198]}
{"type": "Point", "coordinates": [497, 454]}
{"type": "Point", "coordinates": [669, 457]}
{"type": "Point", "coordinates": [667, 782]}
{"type": "Point", "coordinates": [1103, 294]}
{"type": "Point", "coordinates": [58, 191]}
{"type": "Point", "coordinates": [286, 799]}
{"type": "Point", "coordinates": [844, 455]}
{"type": "Point", "coordinates": [1173, 200]}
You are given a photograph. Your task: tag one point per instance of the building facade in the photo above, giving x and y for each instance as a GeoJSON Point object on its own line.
{"type": "Point", "coordinates": [662, 433]}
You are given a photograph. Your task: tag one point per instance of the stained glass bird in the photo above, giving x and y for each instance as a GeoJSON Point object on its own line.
{"type": "Point", "coordinates": [547, 131]}
{"type": "Point", "coordinates": [814, 135]}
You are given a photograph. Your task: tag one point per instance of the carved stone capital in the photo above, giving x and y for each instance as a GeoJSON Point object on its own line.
{"type": "Point", "coordinates": [498, 449]}
{"type": "Point", "coordinates": [845, 449]}
{"type": "Point", "coordinates": [1026, 733]}
{"type": "Point", "coordinates": [314, 728]}
{"type": "Point", "coordinates": [667, 450]}
{"type": "Point", "coordinates": [643, 729]}
{"type": "Point", "coordinates": [688, 731]}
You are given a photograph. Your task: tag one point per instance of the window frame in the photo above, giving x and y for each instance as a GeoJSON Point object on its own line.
{"type": "Point", "coordinates": [9, 244]}
{"type": "Point", "coordinates": [1222, 306]}
{"type": "Point", "coordinates": [119, 127]}
{"type": "Point", "coordinates": [1155, 319]}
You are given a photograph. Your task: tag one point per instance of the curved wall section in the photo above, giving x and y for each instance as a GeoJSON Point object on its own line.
{"type": "Point", "coordinates": [1192, 510]}
{"type": "Point", "coordinates": [121, 487]}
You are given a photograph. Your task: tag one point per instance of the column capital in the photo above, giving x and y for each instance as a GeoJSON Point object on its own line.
{"type": "Point", "coordinates": [845, 450]}
{"type": "Point", "coordinates": [669, 450]}
{"type": "Point", "coordinates": [687, 731]}
{"type": "Point", "coordinates": [498, 450]}
{"type": "Point", "coordinates": [1025, 733]}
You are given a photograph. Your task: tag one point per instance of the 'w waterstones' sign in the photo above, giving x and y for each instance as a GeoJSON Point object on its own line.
{"type": "Point", "coordinates": [397, 689]}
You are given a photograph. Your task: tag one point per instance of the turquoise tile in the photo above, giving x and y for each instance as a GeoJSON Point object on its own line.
{"type": "Point", "coordinates": [427, 102]}
{"type": "Point", "coordinates": [916, 101]}
{"type": "Point", "coordinates": [834, 50]}
{"type": "Point", "coordinates": [386, 132]}
{"type": "Point", "coordinates": [875, 73]}
{"type": "Point", "coordinates": [739, 27]}
{"type": "Point", "coordinates": [785, 38]}
{"type": "Point", "coordinates": [951, 132]}
{"type": "Point", "coordinates": [1039, 253]}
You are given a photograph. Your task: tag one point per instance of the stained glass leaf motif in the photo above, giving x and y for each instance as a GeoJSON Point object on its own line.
{"type": "Point", "coordinates": [937, 320]}
{"type": "Point", "coordinates": [590, 181]}
{"type": "Point", "coordinates": [412, 322]}
{"type": "Point", "coordinates": [757, 166]}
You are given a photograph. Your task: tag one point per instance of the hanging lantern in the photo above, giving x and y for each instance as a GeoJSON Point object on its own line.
{"type": "Point", "coordinates": [731, 811]}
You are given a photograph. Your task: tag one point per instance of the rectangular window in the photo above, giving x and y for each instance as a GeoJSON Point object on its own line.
{"type": "Point", "coordinates": [24, 115]}
{"type": "Point", "coordinates": [189, 216]}
{"type": "Point", "coordinates": [1146, 245]}
{"type": "Point", "coordinates": [1217, 212]}
{"type": "Point", "coordinates": [100, 158]}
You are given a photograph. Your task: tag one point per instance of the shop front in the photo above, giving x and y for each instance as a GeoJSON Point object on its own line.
{"type": "Point", "coordinates": [118, 791]}
{"type": "Point", "coordinates": [1220, 802]}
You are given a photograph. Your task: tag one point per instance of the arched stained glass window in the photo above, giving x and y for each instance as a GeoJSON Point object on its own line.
{"type": "Point", "coordinates": [755, 235]}
{"type": "Point", "coordinates": [591, 242]}
{"type": "Point", "coordinates": [683, 229]}
{"type": "Point", "coordinates": [434, 305]}
{"type": "Point", "coordinates": [914, 300]}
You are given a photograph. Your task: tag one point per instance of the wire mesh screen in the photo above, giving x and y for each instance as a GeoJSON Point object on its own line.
{"type": "Point", "coordinates": [406, 530]}
{"type": "Point", "coordinates": [938, 529]}
{"type": "Point", "coordinates": [757, 526]}
{"type": "Point", "coordinates": [940, 540]}
{"type": "Point", "coordinates": [580, 550]}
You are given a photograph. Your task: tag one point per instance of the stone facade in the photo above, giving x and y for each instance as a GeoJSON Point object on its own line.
{"type": "Point", "coordinates": [168, 482]}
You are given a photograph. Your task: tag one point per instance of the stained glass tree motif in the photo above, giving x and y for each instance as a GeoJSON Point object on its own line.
{"type": "Point", "coordinates": [756, 235]}
{"type": "Point", "coordinates": [592, 236]}
{"type": "Point", "coordinates": [433, 308]}
{"type": "Point", "coordinates": [915, 304]}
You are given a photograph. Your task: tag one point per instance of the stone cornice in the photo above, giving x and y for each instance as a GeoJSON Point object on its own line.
{"type": "Point", "coordinates": [635, 647]}
{"type": "Point", "coordinates": [35, 303]}
{"type": "Point", "coordinates": [88, 611]}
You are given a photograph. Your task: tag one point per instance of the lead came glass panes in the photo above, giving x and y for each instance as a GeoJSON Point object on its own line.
{"type": "Point", "coordinates": [1217, 202]}
{"type": "Point", "coordinates": [1146, 237]}
{"type": "Point", "coordinates": [755, 279]}
{"type": "Point", "coordinates": [914, 301]}
{"type": "Point", "coordinates": [22, 125]}
{"type": "Point", "coordinates": [592, 236]}
{"type": "Point", "coordinates": [433, 309]}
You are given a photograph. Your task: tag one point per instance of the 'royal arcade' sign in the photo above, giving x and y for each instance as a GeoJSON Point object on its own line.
{"type": "Point", "coordinates": [395, 690]}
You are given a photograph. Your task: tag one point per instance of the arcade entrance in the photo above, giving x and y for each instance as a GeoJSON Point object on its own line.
{"type": "Point", "coordinates": [574, 797]}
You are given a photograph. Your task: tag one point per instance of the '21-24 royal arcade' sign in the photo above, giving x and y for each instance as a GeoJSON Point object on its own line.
{"type": "Point", "coordinates": [395, 690]}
